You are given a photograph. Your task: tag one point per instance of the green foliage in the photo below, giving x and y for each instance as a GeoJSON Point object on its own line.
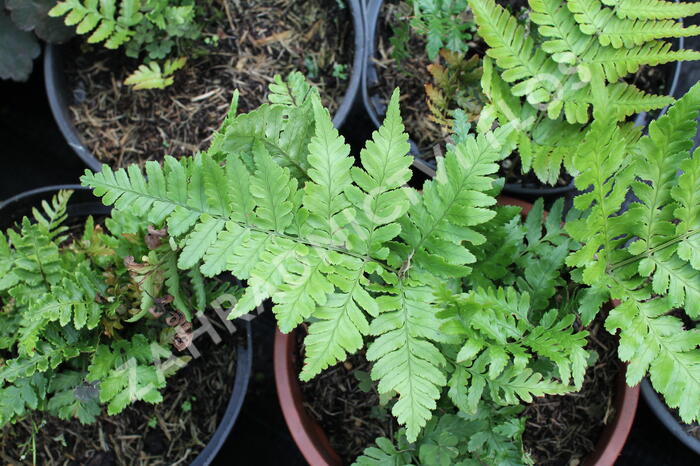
{"type": "Point", "coordinates": [443, 24]}
{"type": "Point", "coordinates": [151, 76]}
{"type": "Point", "coordinates": [278, 201]}
{"type": "Point", "coordinates": [583, 34]}
{"type": "Point", "coordinates": [647, 256]}
{"type": "Point", "coordinates": [80, 316]}
{"type": "Point", "coordinates": [543, 80]}
{"type": "Point", "coordinates": [456, 89]}
{"type": "Point", "coordinates": [148, 27]}
{"type": "Point", "coordinates": [490, 436]}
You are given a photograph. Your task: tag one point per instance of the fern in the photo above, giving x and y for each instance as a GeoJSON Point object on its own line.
{"type": "Point", "coordinates": [353, 251]}
{"type": "Point", "coordinates": [584, 34]}
{"type": "Point", "coordinates": [644, 256]}
{"type": "Point", "coordinates": [72, 303]}
{"type": "Point", "coordinates": [152, 76]}
{"type": "Point", "coordinates": [491, 436]}
{"type": "Point", "coordinates": [137, 25]}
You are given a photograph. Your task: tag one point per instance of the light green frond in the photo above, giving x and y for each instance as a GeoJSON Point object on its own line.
{"type": "Point", "coordinates": [687, 195]}
{"type": "Point", "coordinates": [652, 9]}
{"type": "Point", "coordinates": [657, 343]}
{"type": "Point", "coordinates": [596, 19]}
{"type": "Point", "coordinates": [406, 359]}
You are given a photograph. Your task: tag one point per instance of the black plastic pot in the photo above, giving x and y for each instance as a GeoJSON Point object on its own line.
{"type": "Point", "coordinates": [83, 203]}
{"type": "Point", "coordinates": [376, 108]}
{"type": "Point", "coordinates": [60, 98]}
{"type": "Point", "coordinates": [667, 418]}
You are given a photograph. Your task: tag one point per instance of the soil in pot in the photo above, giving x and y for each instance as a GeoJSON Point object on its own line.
{"type": "Point", "coordinates": [562, 430]}
{"type": "Point", "coordinates": [346, 404]}
{"type": "Point", "coordinates": [243, 46]}
{"type": "Point", "coordinates": [411, 75]}
{"type": "Point", "coordinates": [172, 432]}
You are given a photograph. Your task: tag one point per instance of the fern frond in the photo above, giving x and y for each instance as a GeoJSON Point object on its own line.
{"type": "Point", "coordinates": [566, 43]}
{"type": "Point", "coordinates": [515, 52]}
{"type": "Point", "coordinates": [657, 343]}
{"type": "Point", "coordinates": [500, 342]}
{"type": "Point", "coordinates": [71, 300]}
{"type": "Point", "coordinates": [406, 358]}
{"type": "Point", "coordinates": [100, 18]}
{"type": "Point", "coordinates": [338, 252]}
{"type": "Point", "coordinates": [596, 19]}
{"type": "Point", "coordinates": [687, 196]}
{"type": "Point", "coordinates": [438, 226]}
{"type": "Point", "coordinates": [636, 257]}
{"type": "Point", "coordinates": [652, 9]}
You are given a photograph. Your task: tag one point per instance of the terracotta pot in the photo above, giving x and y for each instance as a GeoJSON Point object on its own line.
{"type": "Point", "coordinates": [316, 448]}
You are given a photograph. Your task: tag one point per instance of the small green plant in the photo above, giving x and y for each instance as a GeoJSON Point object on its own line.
{"type": "Point", "coordinates": [542, 80]}
{"type": "Point", "coordinates": [444, 24]}
{"type": "Point", "coordinates": [456, 88]}
{"type": "Point", "coordinates": [88, 319]}
{"type": "Point", "coordinates": [340, 71]}
{"type": "Point", "coordinates": [22, 22]}
{"type": "Point", "coordinates": [143, 28]}
{"type": "Point", "coordinates": [311, 66]}
{"type": "Point", "coordinates": [151, 76]}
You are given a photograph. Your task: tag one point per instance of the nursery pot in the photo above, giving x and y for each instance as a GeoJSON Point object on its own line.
{"type": "Point", "coordinates": [61, 98]}
{"type": "Point", "coordinates": [82, 204]}
{"type": "Point", "coordinates": [376, 108]}
{"type": "Point", "coordinates": [664, 414]}
{"type": "Point", "coordinates": [317, 450]}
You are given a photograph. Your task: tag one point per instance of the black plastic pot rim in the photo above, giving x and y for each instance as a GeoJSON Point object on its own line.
{"type": "Point", "coordinates": [667, 418]}
{"type": "Point", "coordinates": [371, 78]}
{"type": "Point", "coordinates": [59, 100]}
{"type": "Point", "coordinates": [244, 351]}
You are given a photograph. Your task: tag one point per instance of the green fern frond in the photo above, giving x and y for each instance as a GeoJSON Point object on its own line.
{"type": "Point", "coordinates": [500, 342]}
{"type": "Point", "coordinates": [596, 19]}
{"type": "Point", "coordinates": [659, 344]}
{"type": "Point", "coordinates": [101, 19]}
{"type": "Point", "coordinates": [639, 256]}
{"type": "Point", "coordinates": [152, 76]}
{"type": "Point", "coordinates": [652, 9]}
{"type": "Point", "coordinates": [406, 359]}
{"type": "Point", "coordinates": [515, 52]}
{"type": "Point", "coordinates": [338, 252]}
{"type": "Point", "coordinates": [566, 43]}
{"type": "Point", "coordinates": [687, 195]}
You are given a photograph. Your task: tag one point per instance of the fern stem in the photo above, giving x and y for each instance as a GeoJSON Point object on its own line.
{"type": "Point", "coordinates": [650, 251]}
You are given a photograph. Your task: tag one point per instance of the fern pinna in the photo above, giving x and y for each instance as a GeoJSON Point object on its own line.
{"type": "Point", "coordinates": [551, 70]}
{"type": "Point", "coordinates": [80, 315]}
{"type": "Point", "coordinates": [352, 250]}
{"type": "Point", "coordinates": [648, 256]}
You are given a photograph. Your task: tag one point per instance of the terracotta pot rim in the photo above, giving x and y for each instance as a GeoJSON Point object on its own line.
{"type": "Point", "coordinates": [317, 450]}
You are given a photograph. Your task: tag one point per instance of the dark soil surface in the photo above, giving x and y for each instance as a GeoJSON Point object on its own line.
{"type": "Point", "coordinates": [562, 430]}
{"type": "Point", "coordinates": [350, 417]}
{"type": "Point", "coordinates": [172, 432]}
{"type": "Point", "coordinates": [255, 40]}
{"type": "Point", "coordinates": [411, 75]}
